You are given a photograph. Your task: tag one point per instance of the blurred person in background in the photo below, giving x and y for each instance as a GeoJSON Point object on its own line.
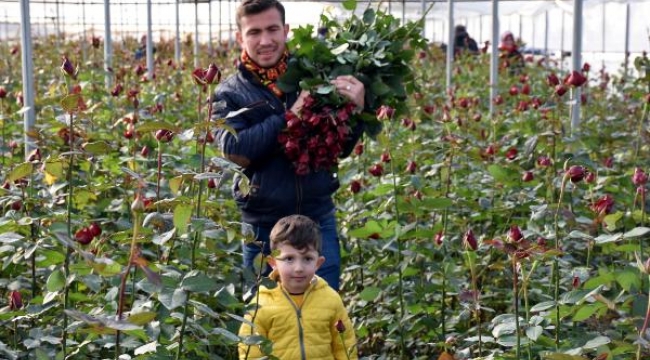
{"type": "Point", "coordinates": [509, 54]}
{"type": "Point", "coordinates": [463, 43]}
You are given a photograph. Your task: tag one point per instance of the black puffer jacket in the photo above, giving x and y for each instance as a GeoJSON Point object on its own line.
{"type": "Point", "coordinates": [275, 190]}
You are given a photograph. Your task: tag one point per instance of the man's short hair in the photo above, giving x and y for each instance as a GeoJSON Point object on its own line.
{"type": "Point", "coordinates": [299, 231]}
{"type": "Point", "coordinates": [254, 7]}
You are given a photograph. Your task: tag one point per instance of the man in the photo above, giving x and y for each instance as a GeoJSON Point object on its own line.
{"type": "Point", "coordinates": [275, 189]}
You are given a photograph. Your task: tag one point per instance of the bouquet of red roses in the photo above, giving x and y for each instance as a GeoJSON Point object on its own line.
{"type": "Point", "coordinates": [375, 49]}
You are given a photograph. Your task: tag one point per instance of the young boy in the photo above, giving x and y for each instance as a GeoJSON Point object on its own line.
{"type": "Point", "coordinates": [302, 316]}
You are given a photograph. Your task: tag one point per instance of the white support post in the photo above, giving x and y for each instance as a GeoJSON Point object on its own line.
{"type": "Point", "coordinates": [177, 41]}
{"type": "Point", "coordinates": [494, 56]}
{"type": "Point", "coordinates": [28, 75]}
{"type": "Point", "coordinates": [108, 44]}
{"type": "Point", "coordinates": [196, 33]}
{"type": "Point", "coordinates": [210, 51]}
{"type": "Point", "coordinates": [627, 38]}
{"type": "Point", "coordinates": [576, 58]}
{"type": "Point", "coordinates": [450, 41]}
{"type": "Point", "coordinates": [150, 65]}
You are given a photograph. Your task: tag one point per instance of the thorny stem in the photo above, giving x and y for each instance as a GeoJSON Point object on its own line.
{"type": "Point", "coordinates": [556, 265]}
{"type": "Point", "coordinates": [68, 253]}
{"type": "Point", "coordinates": [477, 311]}
{"type": "Point", "coordinates": [399, 259]}
{"type": "Point", "coordinates": [515, 279]}
{"type": "Point", "coordinates": [257, 299]}
{"type": "Point", "coordinates": [197, 235]}
{"type": "Point", "coordinates": [645, 325]}
{"type": "Point", "coordinates": [445, 216]}
{"type": "Point", "coordinates": [159, 170]}
{"type": "Point", "coordinates": [640, 131]}
{"type": "Point", "coordinates": [125, 275]}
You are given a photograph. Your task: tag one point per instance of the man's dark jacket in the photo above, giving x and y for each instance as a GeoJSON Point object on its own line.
{"type": "Point", "coordinates": [275, 189]}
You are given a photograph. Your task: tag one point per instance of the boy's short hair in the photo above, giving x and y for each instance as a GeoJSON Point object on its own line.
{"type": "Point", "coordinates": [299, 231]}
{"type": "Point", "coordinates": [254, 7]}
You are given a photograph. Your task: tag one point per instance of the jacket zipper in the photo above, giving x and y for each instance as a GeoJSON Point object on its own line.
{"type": "Point", "coordinates": [298, 310]}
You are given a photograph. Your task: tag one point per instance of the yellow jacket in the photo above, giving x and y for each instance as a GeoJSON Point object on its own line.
{"type": "Point", "coordinates": [307, 332]}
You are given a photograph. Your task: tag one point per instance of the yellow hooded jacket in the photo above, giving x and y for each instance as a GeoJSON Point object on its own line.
{"type": "Point", "coordinates": [306, 332]}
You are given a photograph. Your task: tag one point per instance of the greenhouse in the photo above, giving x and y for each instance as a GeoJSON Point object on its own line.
{"type": "Point", "coordinates": [475, 174]}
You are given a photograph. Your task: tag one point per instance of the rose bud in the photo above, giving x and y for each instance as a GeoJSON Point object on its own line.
{"type": "Point", "coordinates": [212, 74]}
{"type": "Point", "coordinates": [639, 177]}
{"type": "Point", "coordinates": [385, 112]}
{"type": "Point", "coordinates": [198, 75]}
{"type": "Point", "coordinates": [490, 151]}
{"type": "Point", "coordinates": [469, 240]}
{"type": "Point", "coordinates": [35, 155]}
{"type": "Point", "coordinates": [552, 80]}
{"type": "Point", "coordinates": [212, 183]}
{"type": "Point", "coordinates": [3, 92]}
{"type": "Point", "coordinates": [68, 68]}
{"type": "Point", "coordinates": [525, 89]}
{"type": "Point", "coordinates": [385, 157]}
{"type": "Point", "coordinates": [439, 238]}
{"type": "Point", "coordinates": [463, 102]}
{"type": "Point", "coordinates": [137, 206]}
{"type": "Point", "coordinates": [16, 205]}
{"type": "Point", "coordinates": [139, 70]}
{"type": "Point", "coordinates": [83, 236]}
{"type": "Point", "coordinates": [576, 173]}
{"type": "Point", "coordinates": [95, 229]}
{"type": "Point", "coordinates": [527, 176]}
{"type": "Point", "coordinates": [15, 50]}
{"type": "Point", "coordinates": [376, 170]}
{"type": "Point", "coordinates": [117, 90]}
{"type": "Point", "coordinates": [575, 79]}
{"type": "Point", "coordinates": [130, 131]}
{"type": "Point", "coordinates": [544, 161]}
{"type": "Point", "coordinates": [411, 167]}
{"type": "Point", "coordinates": [590, 178]}
{"type": "Point", "coordinates": [498, 100]}
{"type": "Point", "coordinates": [514, 90]}
{"type": "Point", "coordinates": [340, 327]}
{"type": "Point", "coordinates": [164, 135]}
{"type": "Point", "coordinates": [647, 98]}
{"type": "Point", "coordinates": [429, 109]}
{"type": "Point", "coordinates": [6, 185]}
{"type": "Point", "coordinates": [560, 90]}
{"type": "Point", "coordinates": [541, 241]}
{"type": "Point", "coordinates": [358, 149]}
{"type": "Point", "coordinates": [406, 122]}
{"type": "Point", "coordinates": [355, 186]}
{"type": "Point", "coordinates": [95, 42]}
{"type": "Point", "coordinates": [576, 282]}
{"type": "Point", "coordinates": [15, 300]}
{"type": "Point", "coordinates": [586, 67]}
{"type": "Point", "coordinates": [603, 205]}
{"type": "Point", "coordinates": [608, 162]}
{"type": "Point", "coordinates": [514, 234]}
{"type": "Point", "coordinates": [511, 154]}
{"type": "Point", "coordinates": [145, 151]}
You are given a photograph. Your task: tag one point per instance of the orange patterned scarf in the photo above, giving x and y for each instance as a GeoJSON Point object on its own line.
{"type": "Point", "coordinates": [267, 76]}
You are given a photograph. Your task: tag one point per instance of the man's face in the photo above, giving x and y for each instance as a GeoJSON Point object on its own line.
{"type": "Point", "coordinates": [264, 37]}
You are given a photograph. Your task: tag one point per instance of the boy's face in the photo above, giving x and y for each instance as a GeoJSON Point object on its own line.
{"type": "Point", "coordinates": [263, 36]}
{"type": "Point", "coordinates": [296, 267]}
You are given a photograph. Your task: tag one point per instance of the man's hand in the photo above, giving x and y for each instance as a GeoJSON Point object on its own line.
{"type": "Point", "coordinates": [352, 88]}
{"type": "Point", "coordinates": [297, 106]}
